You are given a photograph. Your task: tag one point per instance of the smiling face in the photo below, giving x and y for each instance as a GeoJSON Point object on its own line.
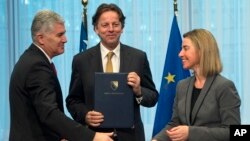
{"type": "Point", "coordinates": [189, 55]}
{"type": "Point", "coordinates": [53, 42]}
{"type": "Point", "coordinates": [109, 29]}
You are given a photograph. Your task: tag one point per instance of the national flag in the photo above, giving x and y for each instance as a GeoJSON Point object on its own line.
{"type": "Point", "coordinates": [83, 37]}
{"type": "Point", "coordinates": [172, 73]}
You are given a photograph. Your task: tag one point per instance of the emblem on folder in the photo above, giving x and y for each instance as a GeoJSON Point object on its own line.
{"type": "Point", "coordinates": [114, 85]}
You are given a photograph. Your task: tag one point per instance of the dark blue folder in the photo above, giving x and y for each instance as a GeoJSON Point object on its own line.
{"type": "Point", "coordinates": [114, 99]}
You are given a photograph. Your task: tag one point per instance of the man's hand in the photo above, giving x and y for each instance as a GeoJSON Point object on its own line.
{"type": "Point", "coordinates": [135, 82]}
{"type": "Point", "coordinates": [103, 136]}
{"type": "Point", "coordinates": [94, 118]}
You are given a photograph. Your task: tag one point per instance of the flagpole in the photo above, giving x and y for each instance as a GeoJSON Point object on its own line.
{"type": "Point", "coordinates": [84, 28]}
{"type": "Point", "coordinates": [84, 17]}
{"type": "Point", "coordinates": [175, 8]}
{"type": "Point", "coordinates": [173, 72]}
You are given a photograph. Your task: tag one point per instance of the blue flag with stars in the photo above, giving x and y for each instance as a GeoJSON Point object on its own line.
{"type": "Point", "coordinates": [172, 73]}
{"type": "Point", "coordinates": [83, 38]}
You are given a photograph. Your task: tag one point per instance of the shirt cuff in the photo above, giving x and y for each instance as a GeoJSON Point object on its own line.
{"type": "Point", "coordinates": [139, 99]}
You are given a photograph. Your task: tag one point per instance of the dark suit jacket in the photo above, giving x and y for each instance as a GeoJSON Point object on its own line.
{"type": "Point", "coordinates": [217, 107]}
{"type": "Point", "coordinates": [36, 104]}
{"type": "Point", "coordinates": [81, 94]}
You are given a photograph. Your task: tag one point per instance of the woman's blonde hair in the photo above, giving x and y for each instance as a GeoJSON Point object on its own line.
{"type": "Point", "coordinates": [206, 46]}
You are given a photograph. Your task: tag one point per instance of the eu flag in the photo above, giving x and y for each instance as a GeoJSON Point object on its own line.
{"type": "Point", "coordinates": [172, 73]}
{"type": "Point", "coordinates": [83, 38]}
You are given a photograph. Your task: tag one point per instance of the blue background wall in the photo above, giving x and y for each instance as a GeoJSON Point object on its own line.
{"type": "Point", "coordinates": [147, 28]}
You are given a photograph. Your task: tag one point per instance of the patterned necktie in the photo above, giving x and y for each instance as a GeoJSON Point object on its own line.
{"type": "Point", "coordinates": [53, 68]}
{"type": "Point", "coordinates": [109, 66]}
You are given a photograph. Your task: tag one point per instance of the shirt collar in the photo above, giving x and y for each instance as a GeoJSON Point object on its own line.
{"type": "Point", "coordinates": [47, 56]}
{"type": "Point", "coordinates": [105, 51]}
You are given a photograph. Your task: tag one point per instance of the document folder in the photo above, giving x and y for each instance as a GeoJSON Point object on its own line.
{"type": "Point", "coordinates": [114, 99]}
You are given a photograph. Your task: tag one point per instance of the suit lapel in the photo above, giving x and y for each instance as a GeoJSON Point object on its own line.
{"type": "Point", "coordinates": [203, 94]}
{"type": "Point", "coordinates": [125, 60]}
{"type": "Point", "coordinates": [57, 86]}
{"type": "Point", "coordinates": [96, 59]}
{"type": "Point", "coordinates": [188, 98]}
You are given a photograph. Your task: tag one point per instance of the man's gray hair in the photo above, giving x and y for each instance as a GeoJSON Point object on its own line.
{"type": "Point", "coordinates": [44, 22]}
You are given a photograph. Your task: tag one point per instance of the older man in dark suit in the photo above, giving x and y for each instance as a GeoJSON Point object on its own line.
{"type": "Point", "coordinates": [36, 104]}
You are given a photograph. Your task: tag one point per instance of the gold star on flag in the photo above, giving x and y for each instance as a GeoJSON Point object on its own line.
{"type": "Point", "coordinates": [170, 78]}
